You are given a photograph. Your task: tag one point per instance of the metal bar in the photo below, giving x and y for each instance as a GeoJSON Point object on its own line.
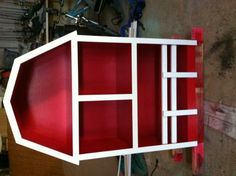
{"type": "Point", "coordinates": [119, 163]}
{"type": "Point", "coordinates": [127, 161]}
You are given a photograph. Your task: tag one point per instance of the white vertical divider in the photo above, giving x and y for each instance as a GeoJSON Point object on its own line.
{"type": "Point", "coordinates": [164, 94]}
{"type": "Point", "coordinates": [134, 95]}
{"type": "Point", "coordinates": [75, 93]}
{"type": "Point", "coordinates": [127, 158]}
{"type": "Point", "coordinates": [173, 93]}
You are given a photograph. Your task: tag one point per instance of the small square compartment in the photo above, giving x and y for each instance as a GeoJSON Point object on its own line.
{"type": "Point", "coordinates": [105, 125]}
{"type": "Point", "coordinates": [104, 68]}
{"type": "Point", "coordinates": [149, 95]}
{"type": "Point", "coordinates": [187, 128]}
{"type": "Point", "coordinates": [186, 59]}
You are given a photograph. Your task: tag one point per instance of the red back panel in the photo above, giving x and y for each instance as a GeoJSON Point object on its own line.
{"type": "Point", "coordinates": [186, 94]}
{"type": "Point", "coordinates": [105, 125]}
{"type": "Point", "coordinates": [104, 68]}
{"type": "Point", "coordinates": [149, 94]}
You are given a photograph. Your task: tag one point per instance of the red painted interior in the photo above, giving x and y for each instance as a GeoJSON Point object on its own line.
{"type": "Point", "coordinates": [186, 94]}
{"type": "Point", "coordinates": [42, 99]}
{"type": "Point", "coordinates": [149, 94]}
{"type": "Point", "coordinates": [104, 68]}
{"type": "Point", "coordinates": [105, 125]}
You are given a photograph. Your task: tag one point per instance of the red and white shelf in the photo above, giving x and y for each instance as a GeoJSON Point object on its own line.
{"type": "Point", "coordinates": [85, 97]}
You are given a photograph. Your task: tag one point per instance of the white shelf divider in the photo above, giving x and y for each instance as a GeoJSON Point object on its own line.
{"type": "Point", "coordinates": [164, 94]}
{"type": "Point", "coordinates": [175, 74]}
{"type": "Point", "coordinates": [173, 94]}
{"type": "Point", "coordinates": [134, 96]}
{"type": "Point", "coordinates": [104, 97]}
{"type": "Point", "coordinates": [180, 112]}
{"type": "Point", "coordinates": [75, 92]}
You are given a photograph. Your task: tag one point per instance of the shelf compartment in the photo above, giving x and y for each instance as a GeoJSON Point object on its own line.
{"type": "Point", "coordinates": [186, 59]}
{"type": "Point", "coordinates": [149, 94]}
{"type": "Point", "coordinates": [105, 125]}
{"type": "Point", "coordinates": [45, 115]}
{"type": "Point", "coordinates": [104, 68]}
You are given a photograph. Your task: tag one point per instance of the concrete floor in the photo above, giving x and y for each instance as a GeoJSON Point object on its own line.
{"type": "Point", "coordinates": [162, 19]}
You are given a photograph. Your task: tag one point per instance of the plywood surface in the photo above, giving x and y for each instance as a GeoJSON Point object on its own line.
{"type": "Point", "coordinates": [3, 123]}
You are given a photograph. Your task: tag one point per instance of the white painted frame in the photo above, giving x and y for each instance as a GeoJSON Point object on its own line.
{"type": "Point", "coordinates": [9, 91]}
{"type": "Point", "coordinates": [76, 98]}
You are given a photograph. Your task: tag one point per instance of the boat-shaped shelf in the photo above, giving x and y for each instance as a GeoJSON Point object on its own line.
{"type": "Point", "coordinates": [85, 97]}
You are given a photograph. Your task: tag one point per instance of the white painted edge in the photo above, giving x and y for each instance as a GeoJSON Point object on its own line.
{"type": "Point", "coordinates": [134, 96]}
{"type": "Point", "coordinates": [175, 74]}
{"type": "Point", "coordinates": [173, 93]}
{"type": "Point", "coordinates": [180, 112]}
{"type": "Point", "coordinates": [7, 101]}
{"type": "Point", "coordinates": [127, 158]}
{"type": "Point", "coordinates": [75, 92]}
{"type": "Point", "coordinates": [9, 91]}
{"type": "Point", "coordinates": [104, 97]}
{"type": "Point", "coordinates": [105, 39]}
{"type": "Point", "coordinates": [168, 146]}
{"type": "Point", "coordinates": [164, 94]}
{"type": "Point", "coordinates": [138, 150]}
